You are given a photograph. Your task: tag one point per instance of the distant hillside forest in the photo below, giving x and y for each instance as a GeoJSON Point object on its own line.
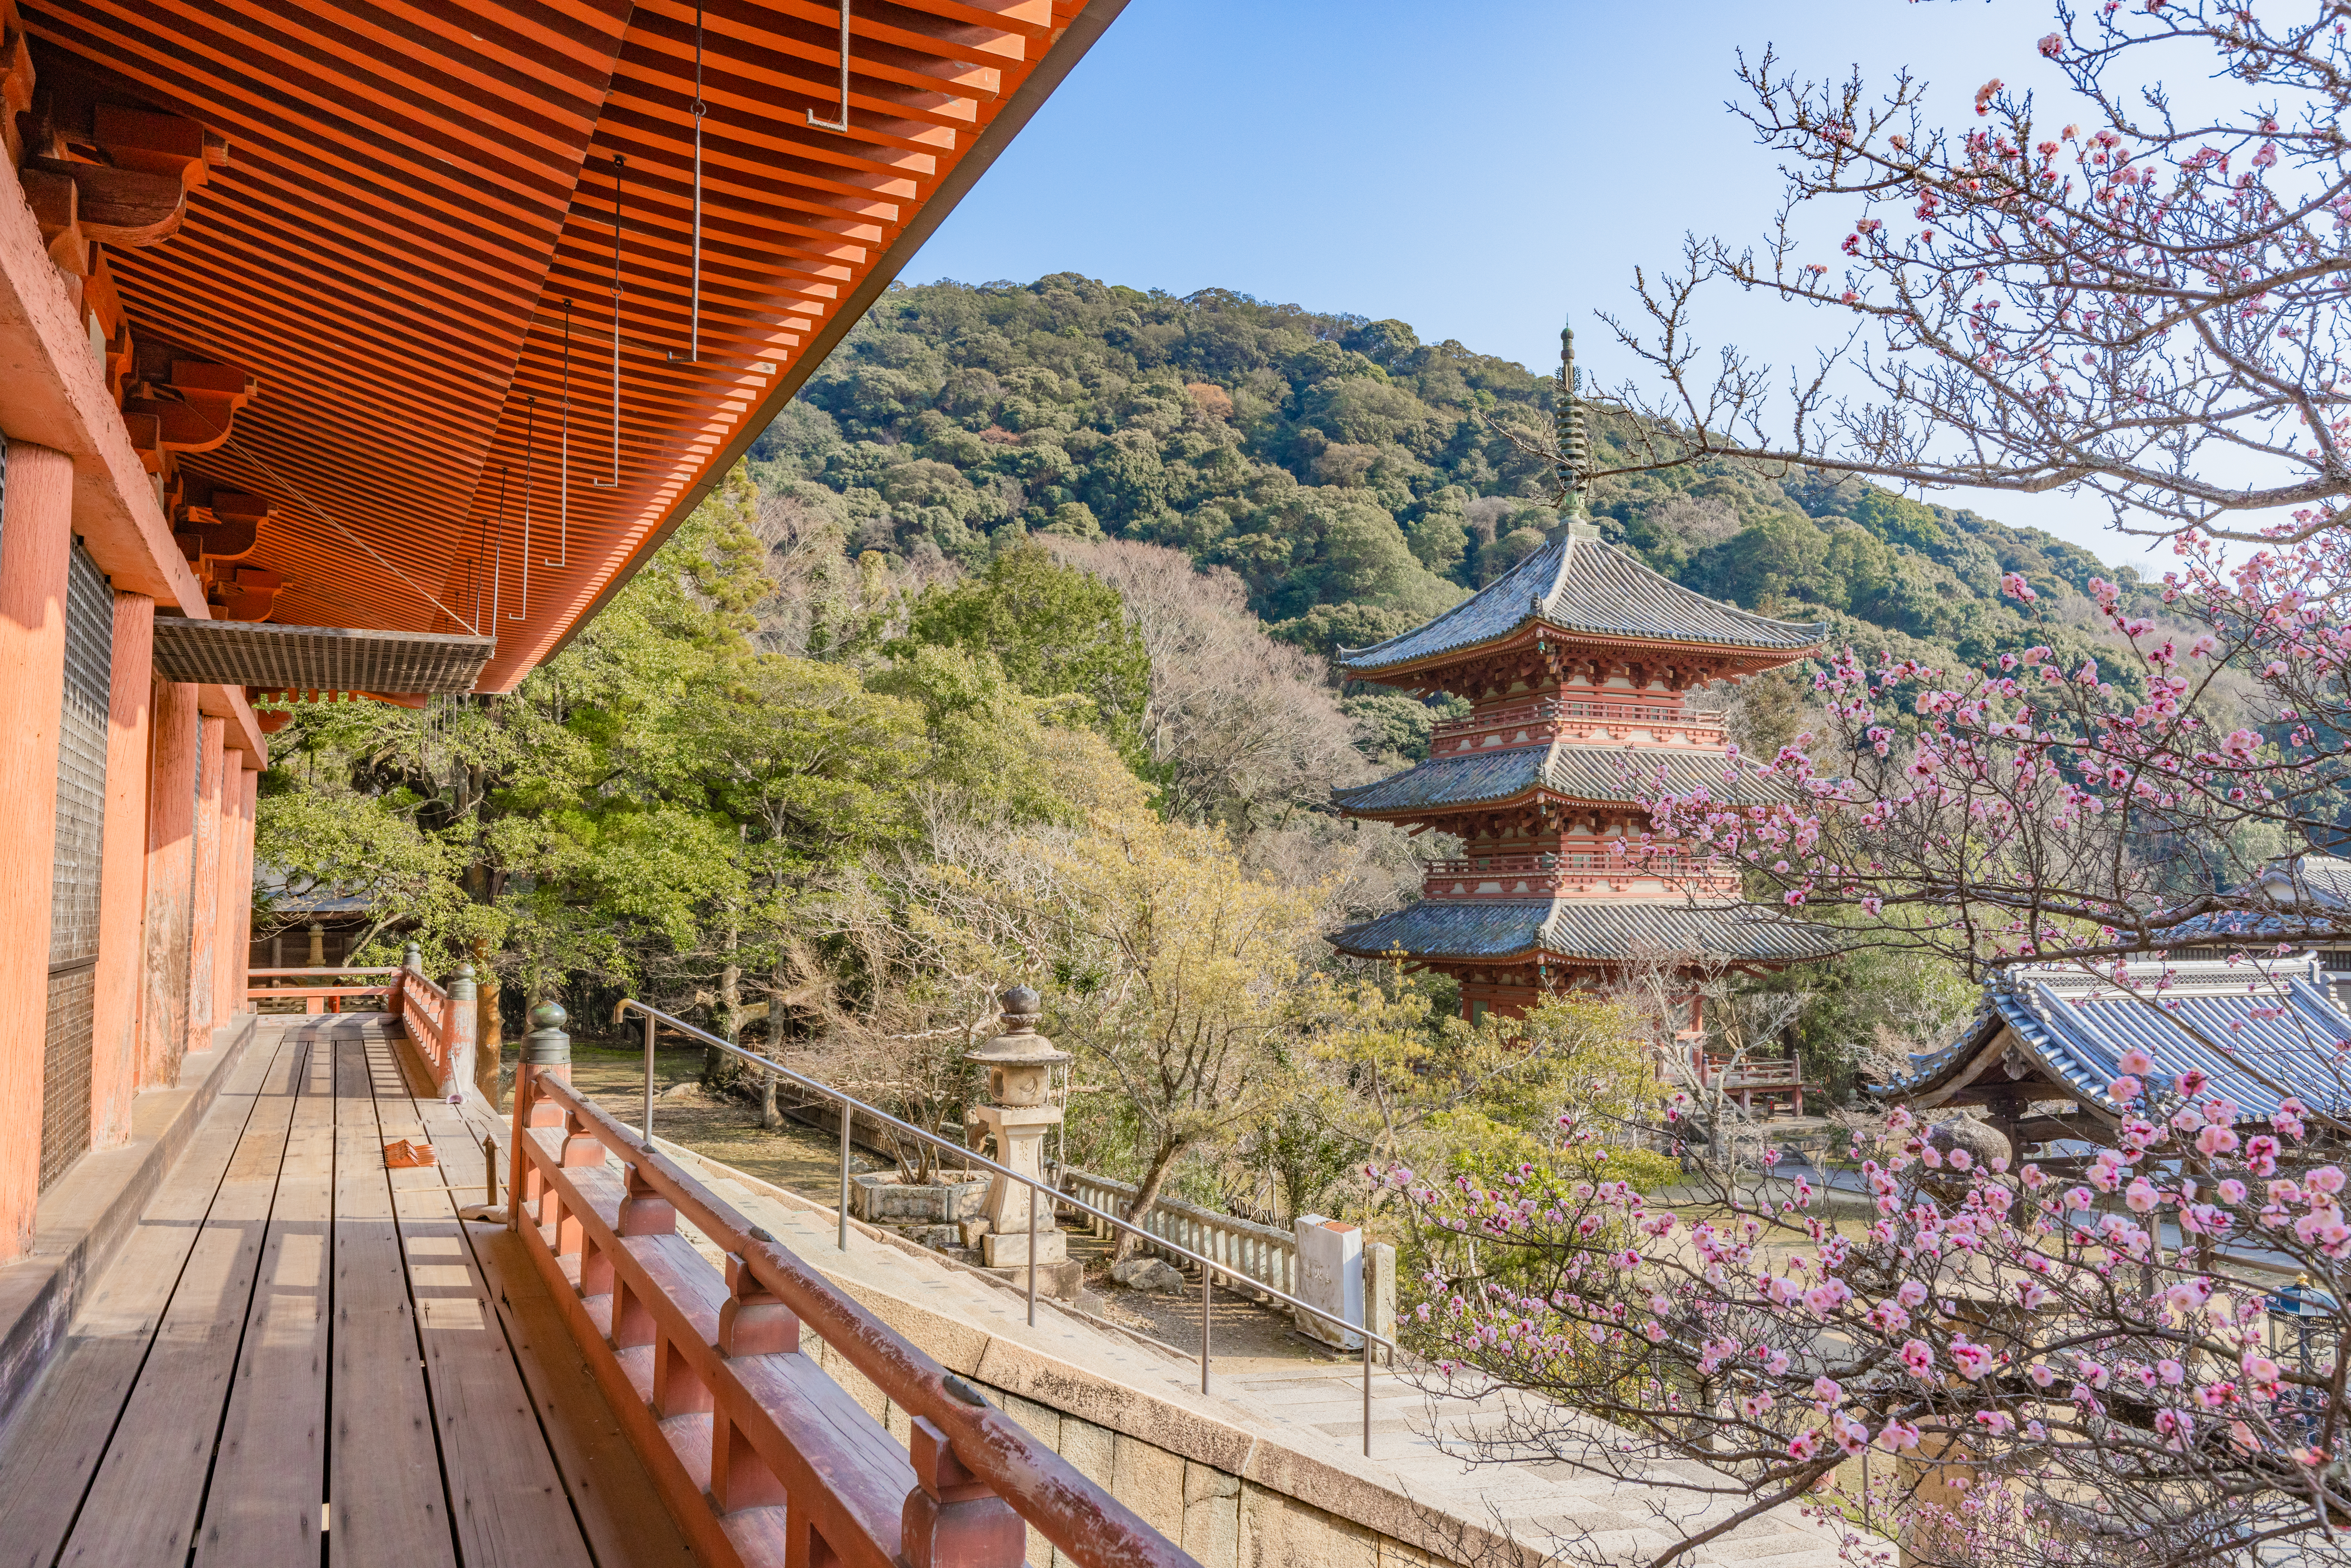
{"type": "Point", "coordinates": [1356, 478]}
{"type": "Point", "coordinates": [1008, 653]}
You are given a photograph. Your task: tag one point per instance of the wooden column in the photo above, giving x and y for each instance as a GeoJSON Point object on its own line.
{"type": "Point", "coordinates": [123, 890]}
{"type": "Point", "coordinates": [171, 887]}
{"type": "Point", "coordinates": [234, 955]}
{"type": "Point", "coordinates": [203, 925]}
{"type": "Point", "coordinates": [35, 543]}
{"type": "Point", "coordinates": [245, 888]}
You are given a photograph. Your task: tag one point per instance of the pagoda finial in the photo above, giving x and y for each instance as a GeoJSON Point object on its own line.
{"type": "Point", "coordinates": [1574, 450]}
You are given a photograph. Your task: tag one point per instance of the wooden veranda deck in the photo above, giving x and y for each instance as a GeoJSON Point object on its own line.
{"type": "Point", "coordinates": [296, 1342]}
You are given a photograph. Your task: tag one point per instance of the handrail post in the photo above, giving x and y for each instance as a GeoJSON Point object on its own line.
{"type": "Point", "coordinates": [546, 1051]}
{"type": "Point", "coordinates": [648, 1128]}
{"type": "Point", "coordinates": [952, 1518]}
{"type": "Point", "coordinates": [1208, 1311]}
{"type": "Point", "coordinates": [412, 962]}
{"type": "Point", "coordinates": [462, 1028]}
{"type": "Point", "coordinates": [848, 1116]}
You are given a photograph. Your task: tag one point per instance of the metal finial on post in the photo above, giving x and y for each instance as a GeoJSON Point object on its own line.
{"type": "Point", "coordinates": [461, 986]}
{"type": "Point", "coordinates": [414, 957]}
{"type": "Point", "coordinates": [546, 1045]}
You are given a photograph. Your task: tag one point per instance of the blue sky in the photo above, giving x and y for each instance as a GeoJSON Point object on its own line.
{"type": "Point", "coordinates": [1475, 170]}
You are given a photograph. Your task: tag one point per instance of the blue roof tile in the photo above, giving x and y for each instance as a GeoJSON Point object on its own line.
{"type": "Point", "coordinates": [2077, 1026]}
{"type": "Point", "coordinates": [1580, 928]}
{"type": "Point", "coordinates": [1574, 772]}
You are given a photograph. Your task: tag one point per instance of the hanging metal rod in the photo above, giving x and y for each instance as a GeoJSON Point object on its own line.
{"type": "Point", "coordinates": [700, 108]}
{"type": "Point", "coordinates": [841, 122]}
{"type": "Point", "coordinates": [529, 477]}
{"type": "Point", "coordinates": [618, 162]}
{"type": "Point", "coordinates": [563, 474]}
{"type": "Point", "coordinates": [499, 556]}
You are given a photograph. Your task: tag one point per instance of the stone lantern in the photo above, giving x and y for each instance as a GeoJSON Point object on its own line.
{"type": "Point", "coordinates": [1018, 1063]}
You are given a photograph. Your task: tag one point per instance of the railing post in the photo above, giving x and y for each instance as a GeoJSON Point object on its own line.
{"type": "Point", "coordinates": [546, 1050]}
{"type": "Point", "coordinates": [412, 962]}
{"type": "Point", "coordinates": [953, 1519]}
{"type": "Point", "coordinates": [461, 1027]}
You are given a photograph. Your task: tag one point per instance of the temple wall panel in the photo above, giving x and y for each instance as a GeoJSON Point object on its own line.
{"type": "Point", "coordinates": [120, 989]}
{"type": "Point", "coordinates": [176, 750]}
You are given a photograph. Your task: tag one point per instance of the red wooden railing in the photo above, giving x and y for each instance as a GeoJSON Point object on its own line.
{"type": "Point", "coordinates": [762, 1457]}
{"type": "Point", "coordinates": [443, 1024]}
{"type": "Point", "coordinates": [314, 998]}
{"type": "Point", "coordinates": [1555, 711]}
{"type": "Point", "coordinates": [1577, 872]}
{"type": "Point", "coordinates": [1776, 1084]}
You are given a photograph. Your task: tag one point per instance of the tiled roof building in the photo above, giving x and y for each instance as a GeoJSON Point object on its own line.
{"type": "Point", "coordinates": [2041, 1052]}
{"type": "Point", "coordinates": [1579, 664]}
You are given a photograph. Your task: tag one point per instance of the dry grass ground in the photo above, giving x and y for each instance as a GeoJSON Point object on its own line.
{"type": "Point", "coordinates": [1244, 1336]}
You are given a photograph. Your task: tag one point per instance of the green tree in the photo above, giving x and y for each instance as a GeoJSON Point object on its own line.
{"type": "Point", "coordinates": [1052, 629]}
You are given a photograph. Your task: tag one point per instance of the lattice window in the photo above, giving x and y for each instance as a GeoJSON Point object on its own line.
{"type": "Point", "coordinates": [75, 875]}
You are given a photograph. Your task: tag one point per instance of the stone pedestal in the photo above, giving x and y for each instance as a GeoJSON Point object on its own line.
{"type": "Point", "coordinates": [1005, 1251]}
{"type": "Point", "coordinates": [1019, 1134]}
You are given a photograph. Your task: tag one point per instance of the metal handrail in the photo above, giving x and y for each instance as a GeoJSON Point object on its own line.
{"type": "Point", "coordinates": [849, 1105]}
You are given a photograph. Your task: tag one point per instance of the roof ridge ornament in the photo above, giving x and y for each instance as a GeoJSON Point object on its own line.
{"type": "Point", "coordinates": [1573, 465]}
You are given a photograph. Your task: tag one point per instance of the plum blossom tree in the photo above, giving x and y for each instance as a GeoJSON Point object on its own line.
{"type": "Point", "coordinates": [2145, 304]}
{"type": "Point", "coordinates": [2063, 1359]}
{"type": "Point", "coordinates": [2044, 1368]}
{"type": "Point", "coordinates": [2130, 299]}
{"type": "Point", "coordinates": [2040, 808]}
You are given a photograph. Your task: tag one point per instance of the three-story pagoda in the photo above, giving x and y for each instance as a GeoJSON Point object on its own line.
{"type": "Point", "coordinates": [1579, 664]}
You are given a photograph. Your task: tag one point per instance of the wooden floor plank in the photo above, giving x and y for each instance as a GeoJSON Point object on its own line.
{"type": "Point", "coordinates": [507, 1498]}
{"type": "Point", "coordinates": [620, 1510]}
{"type": "Point", "coordinates": [384, 1465]}
{"type": "Point", "coordinates": [270, 1474]}
{"type": "Point", "coordinates": [49, 1453]}
{"type": "Point", "coordinates": [143, 1504]}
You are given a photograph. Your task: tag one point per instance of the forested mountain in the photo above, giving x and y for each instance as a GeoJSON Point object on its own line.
{"type": "Point", "coordinates": [845, 755]}
{"type": "Point", "coordinates": [1356, 478]}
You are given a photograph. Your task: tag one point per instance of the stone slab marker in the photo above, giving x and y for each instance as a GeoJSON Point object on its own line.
{"type": "Point", "coordinates": [1330, 1276]}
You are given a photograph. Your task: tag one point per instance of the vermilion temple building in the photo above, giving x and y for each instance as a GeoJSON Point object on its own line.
{"type": "Point", "coordinates": [361, 352]}
{"type": "Point", "coordinates": [1579, 664]}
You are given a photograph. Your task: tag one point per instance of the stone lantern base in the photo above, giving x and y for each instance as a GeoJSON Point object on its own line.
{"type": "Point", "coordinates": [1002, 1252]}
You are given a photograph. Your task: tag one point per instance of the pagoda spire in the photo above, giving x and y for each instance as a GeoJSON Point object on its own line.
{"type": "Point", "coordinates": [1574, 460]}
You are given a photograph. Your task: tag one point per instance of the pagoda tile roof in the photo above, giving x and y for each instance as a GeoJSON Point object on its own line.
{"type": "Point", "coordinates": [1582, 928]}
{"type": "Point", "coordinates": [1581, 583]}
{"type": "Point", "coordinates": [1576, 772]}
{"type": "Point", "coordinates": [2076, 1027]}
